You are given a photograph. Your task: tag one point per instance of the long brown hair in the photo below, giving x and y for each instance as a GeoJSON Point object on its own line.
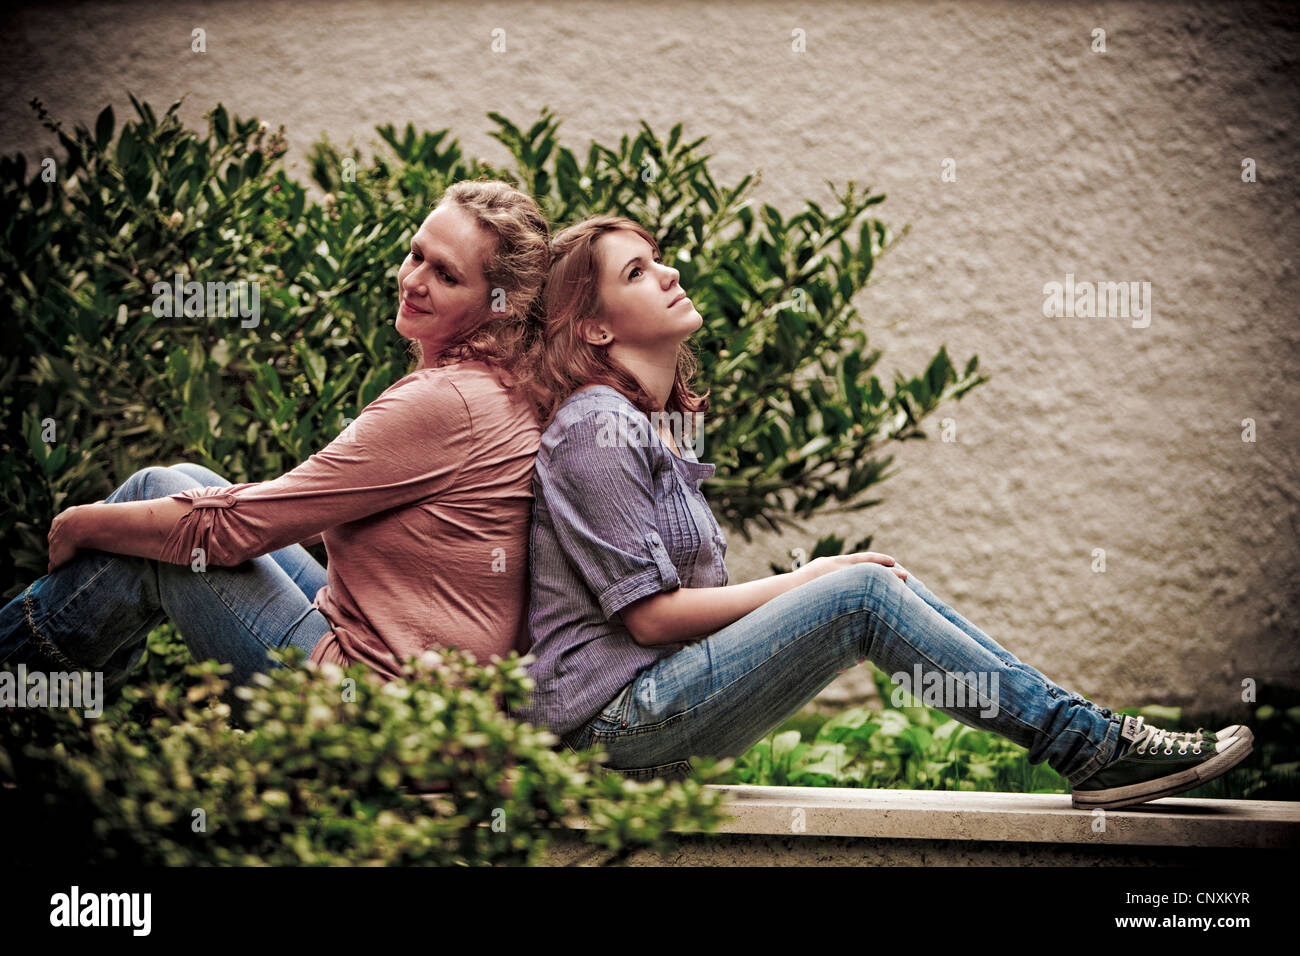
{"type": "Point", "coordinates": [568, 362]}
{"type": "Point", "coordinates": [510, 342]}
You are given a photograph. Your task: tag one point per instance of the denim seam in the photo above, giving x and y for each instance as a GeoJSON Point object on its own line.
{"type": "Point", "coordinates": [654, 770]}
{"type": "Point", "coordinates": [43, 641]}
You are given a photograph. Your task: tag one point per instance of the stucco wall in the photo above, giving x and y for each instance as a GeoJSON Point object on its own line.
{"type": "Point", "coordinates": [1116, 166]}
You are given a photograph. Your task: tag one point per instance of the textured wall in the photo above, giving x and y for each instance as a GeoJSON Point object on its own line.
{"type": "Point", "coordinates": [1115, 166]}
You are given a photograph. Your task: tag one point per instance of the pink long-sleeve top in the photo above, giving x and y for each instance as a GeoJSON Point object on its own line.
{"type": "Point", "coordinates": [423, 503]}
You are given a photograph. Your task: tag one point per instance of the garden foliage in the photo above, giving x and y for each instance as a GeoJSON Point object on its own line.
{"type": "Point", "coordinates": [101, 378]}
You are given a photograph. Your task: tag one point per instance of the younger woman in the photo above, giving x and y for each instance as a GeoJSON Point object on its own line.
{"type": "Point", "coordinates": [643, 649]}
{"type": "Point", "coordinates": [422, 502]}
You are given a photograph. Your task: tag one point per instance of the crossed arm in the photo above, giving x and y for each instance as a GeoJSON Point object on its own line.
{"type": "Point", "coordinates": [136, 528]}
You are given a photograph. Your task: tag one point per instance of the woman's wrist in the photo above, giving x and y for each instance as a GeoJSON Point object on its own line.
{"type": "Point", "coordinates": [81, 525]}
{"type": "Point", "coordinates": [801, 575]}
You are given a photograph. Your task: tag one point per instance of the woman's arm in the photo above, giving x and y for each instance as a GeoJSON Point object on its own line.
{"type": "Point", "coordinates": [408, 444]}
{"type": "Point", "coordinates": [689, 613]}
{"type": "Point", "coordinates": [136, 528]}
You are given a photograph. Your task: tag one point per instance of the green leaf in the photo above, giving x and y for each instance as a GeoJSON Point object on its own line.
{"type": "Point", "coordinates": [221, 125]}
{"type": "Point", "coordinates": [784, 744]}
{"type": "Point", "coordinates": [104, 128]}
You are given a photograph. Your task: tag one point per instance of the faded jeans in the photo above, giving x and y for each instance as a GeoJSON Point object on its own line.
{"type": "Point", "coordinates": [720, 695]}
{"type": "Point", "coordinates": [95, 612]}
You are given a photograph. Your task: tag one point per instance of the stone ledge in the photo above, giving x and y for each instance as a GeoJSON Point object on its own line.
{"type": "Point", "coordinates": [799, 812]}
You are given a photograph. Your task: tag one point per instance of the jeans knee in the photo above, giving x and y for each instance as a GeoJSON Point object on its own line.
{"type": "Point", "coordinates": [154, 482]}
{"type": "Point", "coordinates": [204, 476]}
{"type": "Point", "coordinates": [870, 579]}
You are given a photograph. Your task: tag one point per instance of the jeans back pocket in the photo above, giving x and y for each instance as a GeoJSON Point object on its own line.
{"type": "Point", "coordinates": [615, 712]}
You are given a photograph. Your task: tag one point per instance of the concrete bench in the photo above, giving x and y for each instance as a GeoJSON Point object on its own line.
{"type": "Point", "coordinates": [838, 826]}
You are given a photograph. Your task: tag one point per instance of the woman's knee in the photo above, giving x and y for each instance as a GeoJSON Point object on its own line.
{"type": "Point", "coordinates": [867, 577]}
{"type": "Point", "coordinates": [154, 481]}
{"type": "Point", "coordinates": [204, 476]}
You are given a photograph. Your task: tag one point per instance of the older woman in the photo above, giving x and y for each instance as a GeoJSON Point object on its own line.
{"type": "Point", "coordinates": [422, 502]}
{"type": "Point", "coordinates": [643, 648]}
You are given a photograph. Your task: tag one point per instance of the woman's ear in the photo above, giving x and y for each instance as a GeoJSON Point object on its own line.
{"type": "Point", "coordinates": [593, 333]}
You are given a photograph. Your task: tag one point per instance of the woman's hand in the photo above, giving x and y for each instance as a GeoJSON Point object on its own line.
{"type": "Point", "coordinates": [819, 566]}
{"type": "Point", "coordinates": [64, 539]}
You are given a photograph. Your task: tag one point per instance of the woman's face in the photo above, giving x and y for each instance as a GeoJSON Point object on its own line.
{"type": "Point", "coordinates": [643, 308]}
{"type": "Point", "coordinates": [442, 289]}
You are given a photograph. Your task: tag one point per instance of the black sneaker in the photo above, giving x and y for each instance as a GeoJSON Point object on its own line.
{"type": "Point", "coordinates": [1151, 763]}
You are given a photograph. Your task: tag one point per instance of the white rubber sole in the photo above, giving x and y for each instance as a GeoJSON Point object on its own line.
{"type": "Point", "coordinates": [1166, 786]}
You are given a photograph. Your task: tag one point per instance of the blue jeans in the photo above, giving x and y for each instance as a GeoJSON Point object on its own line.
{"type": "Point", "coordinates": [720, 695]}
{"type": "Point", "coordinates": [95, 612]}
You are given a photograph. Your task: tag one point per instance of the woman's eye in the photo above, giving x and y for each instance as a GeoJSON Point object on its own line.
{"type": "Point", "coordinates": [636, 269]}
{"type": "Point", "coordinates": [451, 280]}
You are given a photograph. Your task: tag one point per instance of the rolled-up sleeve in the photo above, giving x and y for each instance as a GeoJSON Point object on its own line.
{"type": "Point", "coordinates": [406, 446]}
{"type": "Point", "coordinates": [597, 483]}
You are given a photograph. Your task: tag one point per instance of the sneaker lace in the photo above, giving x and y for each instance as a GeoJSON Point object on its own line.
{"type": "Point", "coordinates": [1153, 738]}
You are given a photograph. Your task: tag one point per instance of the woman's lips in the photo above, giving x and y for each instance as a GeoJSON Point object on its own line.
{"type": "Point", "coordinates": [411, 310]}
{"type": "Point", "coordinates": [680, 299]}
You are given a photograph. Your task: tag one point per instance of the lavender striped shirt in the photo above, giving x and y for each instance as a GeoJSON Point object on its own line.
{"type": "Point", "coordinates": [616, 517]}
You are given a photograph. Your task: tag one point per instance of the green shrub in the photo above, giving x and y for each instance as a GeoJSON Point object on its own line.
{"type": "Point", "coordinates": [904, 748]}
{"type": "Point", "coordinates": [96, 385]}
{"type": "Point", "coordinates": [332, 767]}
